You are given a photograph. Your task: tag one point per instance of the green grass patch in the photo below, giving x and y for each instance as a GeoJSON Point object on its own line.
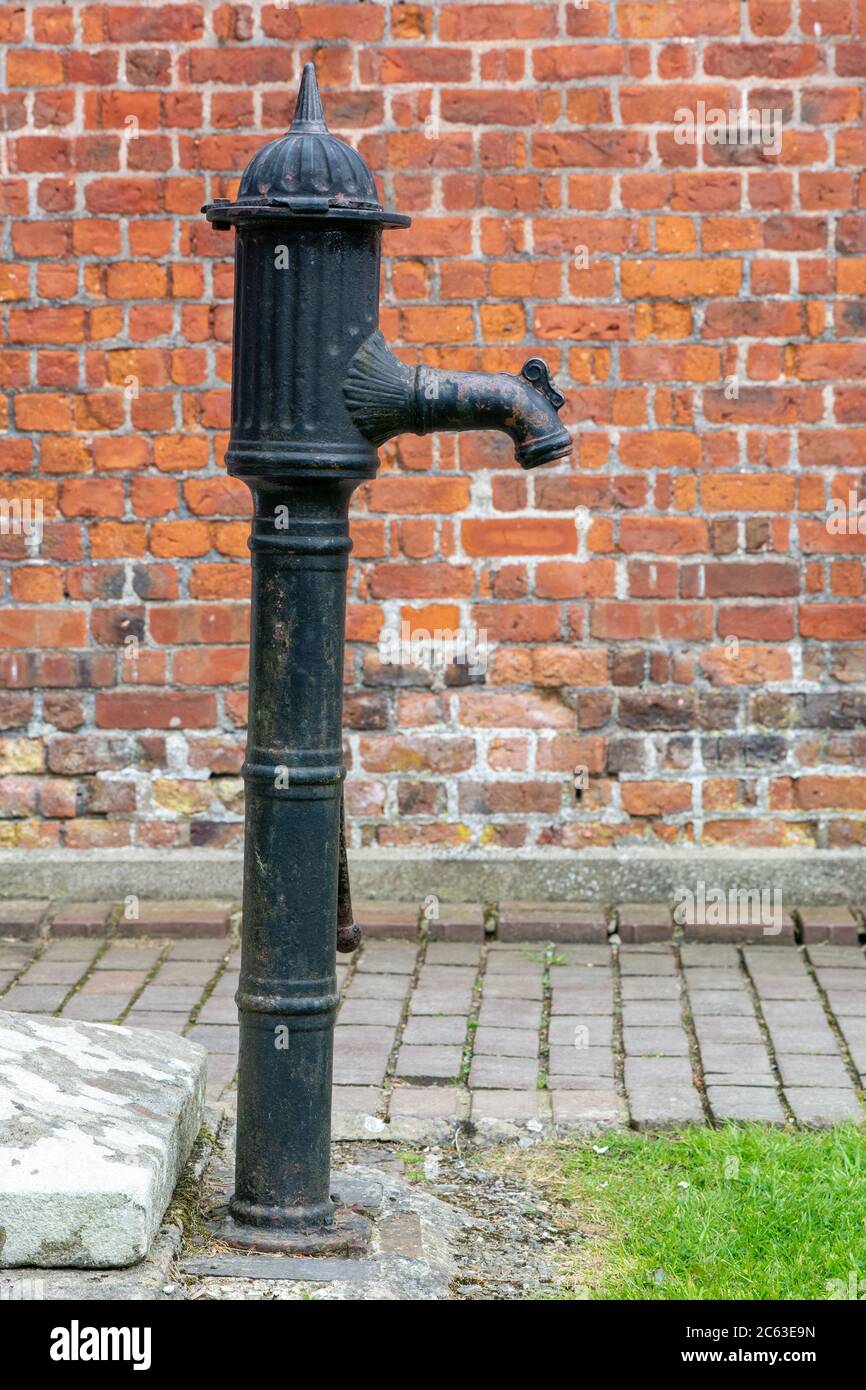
{"type": "Point", "coordinates": [739, 1212]}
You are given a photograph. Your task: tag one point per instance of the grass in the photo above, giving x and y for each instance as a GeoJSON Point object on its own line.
{"type": "Point", "coordinates": [733, 1213]}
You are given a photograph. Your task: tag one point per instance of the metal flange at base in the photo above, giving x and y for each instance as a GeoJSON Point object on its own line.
{"type": "Point", "coordinates": [347, 1234]}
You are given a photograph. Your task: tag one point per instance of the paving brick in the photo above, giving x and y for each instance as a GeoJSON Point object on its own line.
{"type": "Point", "coordinates": [364, 1038]}
{"type": "Point", "coordinates": [55, 972]}
{"type": "Point", "coordinates": [595, 1030]}
{"type": "Point", "coordinates": [847, 1003]}
{"type": "Point", "coordinates": [839, 979]}
{"type": "Point", "coordinates": [452, 953]}
{"type": "Point", "coordinates": [581, 977]}
{"type": "Point", "coordinates": [643, 963]}
{"type": "Point", "coordinates": [524, 921]}
{"type": "Point", "coordinates": [117, 982]}
{"type": "Point", "coordinates": [382, 1011]}
{"type": "Point", "coordinates": [649, 1042]}
{"type": "Point", "coordinates": [590, 1109]}
{"type": "Point", "coordinates": [170, 998]}
{"type": "Point", "coordinates": [214, 1037]}
{"type": "Point", "coordinates": [440, 1001]}
{"type": "Point", "coordinates": [644, 922]}
{"type": "Point", "coordinates": [835, 925]}
{"type": "Point", "coordinates": [457, 922]}
{"type": "Point", "coordinates": [388, 919]}
{"type": "Point", "coordinates": [529, 960]}
{"type": "Point", "coordinates": [826, 1070]}
{"type": "Point", "coordinates": [186, 972]}
{"type": "Point", "coordinates": [359, 1068]}
{"type": "Point", "coordinates": [200, 948]}
{"type": "Point", "coordinates": [707, 955]}
{"type": "Point", "coordinates": [581, 954]}
{"type": "Point", "coordinates": [127, 957]}
{"type": "Point", "coordinates": [218, 1011]}
{"type": "Point", "coordinates": [35, 999]}
{"type": "Point", "coordinates": [709, 977]}
{"type": "Point", "coordinates": [853, 1031]}
{"type": "Point", "coordinates": [429, 1063]}
{"type": "Point", "coordinates": [786, 986]}
{"type": "Point", "coordinates": [661, 1107]}
{"type": "Point", "coordinates": [81, 919]}
{"type": "Point", "coordinates": [758, 1103]}
{"type": "Point", "coordinates": [221, 1068]}
{"type": "Point", "coordinates": [425, 1102]}
{"type": "Point", "coordinates": [517, 1105]}
{"type": "Point", "coordinates": [510, 1013]}
{"type": "Point", "coordinates": [159, 1022]}
{"type": "Point", "coordinates": [753, 1076]}
{"type": "Point", "coordinates": [505, 1042]}
{"type": "Point", "coordinates": [22, 917]}
{"type": "Point", "coordinates": [653, 1072]}
{"type": "Point", "coordinates": [650, 987]}
{"type": "Point", "coordinates": [793, 1013]}
{"type": "Point", "coordinates": [579, 1001]}
{"type": "Point", "coordinates": [363, 1100]}
{"type": "Point", "coordinates": [16, 957]}
{"type": "Point", "coordinates": [651, 1013]}
{"type": "Point", "coordinates": [387, 958]}
{"type": "Point", "coordinates": [733, 1058]}
{"type": "Point", "coordinates": [513, 987]}
{"type": "Point", "coordinates": [581, 1061]}
{"type": "Point", "coordinates": [824, 1106]}
{"type": "Point", "coordinates": [719, 1002]}
{"type": "Point", "coordinates": [715, 1028]}
{"type": "Point", "coordinates": [503, 1073]}
{"type": "Point", "coordinates": [737, 933]}
{"type": "Point", "coordinates": [803, 1040]}
{"type": "Point", "coordinates": [424, 1031]}
{"type": "Point", "coordinates": [196, 917]}
{"type": "Point", "coordinates": [838, 957]}
{"type": "Point", "coordinates": [378, 987]}
{"type": "Point", "coordinates": [96, 1008]}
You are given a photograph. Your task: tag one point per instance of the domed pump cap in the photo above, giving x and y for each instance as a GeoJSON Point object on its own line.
{"type": "Point", "coordinates": [306, 171]}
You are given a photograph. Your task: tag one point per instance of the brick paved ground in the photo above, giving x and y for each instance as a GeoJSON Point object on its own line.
{"type": "Point", "coordinates": [501, 1034]}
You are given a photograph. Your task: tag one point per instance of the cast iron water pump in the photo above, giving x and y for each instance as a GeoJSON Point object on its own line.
{"type": "Point", "coordinates": [315, 390]}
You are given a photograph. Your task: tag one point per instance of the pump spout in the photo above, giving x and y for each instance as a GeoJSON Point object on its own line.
{"type": "Point", "coordinates": [386, 398]}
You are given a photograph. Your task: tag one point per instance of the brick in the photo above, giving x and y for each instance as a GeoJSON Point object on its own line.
{"type": "Point", "coordinates": [551, 922]}
{"type": "Point", "coordinates": [642, 922]}
{"type": "Point", "coordinates": [834, 925]}
{"type": "Point", "coordinates": [21, 917]}
{"type": "Point", "coordinates": [502, 1073]}
{"type": "Point", "coordinates": [192, 918]}
{"type": "Point", "coordinates": [429, 1063]}
{"type": "Point", "coordinates": [81, 919]}
{"type": "Point", "coordinates": [457, 922]}
{"type": "Point", "coordinates": [387, 919]}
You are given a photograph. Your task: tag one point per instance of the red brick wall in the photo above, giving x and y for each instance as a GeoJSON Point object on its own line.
{"type": "Point", "coordinates": [711, 350]}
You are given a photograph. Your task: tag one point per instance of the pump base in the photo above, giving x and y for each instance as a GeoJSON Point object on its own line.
{"type": "Point", "coordinates": [347, 1234]}
{"type": "Point", "coordinates": [347, 1230]}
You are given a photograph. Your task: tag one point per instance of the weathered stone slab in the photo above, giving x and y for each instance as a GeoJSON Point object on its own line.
{"type": "Point", "coordinates": [96, 1123]}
